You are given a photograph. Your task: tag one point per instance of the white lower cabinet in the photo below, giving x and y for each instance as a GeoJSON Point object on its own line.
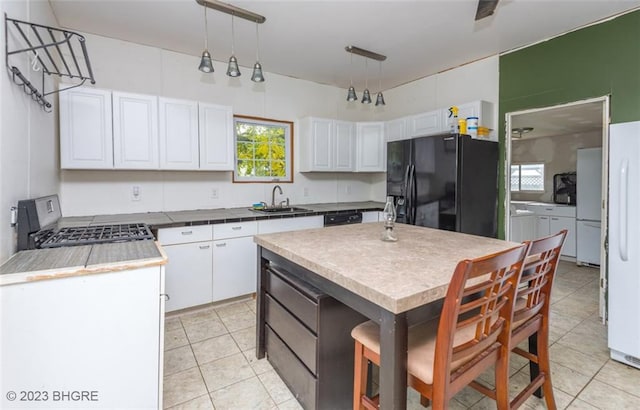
{"type": "Point", "coordinates": [188, 280]}
{"type": "Point", "coordinates": [209, 263]}
{"type": "Point", "coordinates": [101, 334]}
{"type": "Point", "coordinates": [234, 267]}
{"type": "Point", "coordinates": [190, 262]}
{"type": "Point", "coordinates": [523, 228]}
{"type": "Point", "coordinates": [235, 263]}
{"type": "Point", "coordinates": [551, 219]}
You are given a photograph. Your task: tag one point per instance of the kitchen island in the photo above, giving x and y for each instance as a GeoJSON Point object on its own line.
{"type": "Point", "coordinates": [396, 284]}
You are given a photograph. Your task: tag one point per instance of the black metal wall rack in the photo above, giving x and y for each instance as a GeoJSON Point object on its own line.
{"type": "Point", "coordinates": [55, 43]}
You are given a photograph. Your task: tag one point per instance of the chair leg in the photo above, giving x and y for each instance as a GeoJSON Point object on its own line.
{"type": "Point", "coordinates": [534, 368]}
{"type": "Point", "coordinates": [545, 366]}
{"type": "Point", "coordinates": [359, 376]}
{"type": "Point", "coordinates": [502, 379]}
{"type": "Point", "coordinates": [424, 401]}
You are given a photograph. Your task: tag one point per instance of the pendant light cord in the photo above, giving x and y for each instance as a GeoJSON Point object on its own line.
{"type": "Point", "coordinates": [366, 74]}
{"type": "Point", "coordinates": [233, 36]}
{"type": "Point", "coordinates": [257, 43]}
{"type": "Point", "coordinates": [351, 69]}
{"type": "Point", "coordinates": [380, 77]}
{"type": "Point", "coordinates": [206, 30]}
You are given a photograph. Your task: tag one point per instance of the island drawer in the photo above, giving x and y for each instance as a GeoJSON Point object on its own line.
{"type": "Point", "coordinates": [300, 340]}
{"type": "Point", "coordinates": [295, 375]}
{"type": "Point", "coordinates": [285, 291]}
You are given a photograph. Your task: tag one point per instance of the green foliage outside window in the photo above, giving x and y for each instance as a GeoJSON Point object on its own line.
{"type": "Point", "coordinates": [262, 150]}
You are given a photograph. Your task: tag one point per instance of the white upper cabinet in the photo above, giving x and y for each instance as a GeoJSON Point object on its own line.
{"type": "Point", "coordinates": [396, 130]}
{"type": "Point", "coordinates": [178, 133]}
{"type": "Point", "coordinates": [427, 123]}
{"type": "Point", "coordinates": [135, 131]}
{"type": "Point", "coordinates": [86, 139]}
{"type": "Point", "coordinates": [216, 137]}
{"type": "Point", "coordinates": [371, 147]}
{"type": "Point", "coordinates": [327, 145]}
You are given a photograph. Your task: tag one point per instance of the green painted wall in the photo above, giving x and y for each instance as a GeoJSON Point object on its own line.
{"type": "Point", "coordinates": [591, 62]}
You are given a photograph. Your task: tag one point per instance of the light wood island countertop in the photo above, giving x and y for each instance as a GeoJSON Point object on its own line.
{"type": "Point", "coordinates": [397, 276]}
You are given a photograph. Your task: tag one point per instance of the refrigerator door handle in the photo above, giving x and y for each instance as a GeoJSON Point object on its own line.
{"type": "Point", "coordinates": [623, 207]}
{"type": "Point", "coordinates": [414, 194]}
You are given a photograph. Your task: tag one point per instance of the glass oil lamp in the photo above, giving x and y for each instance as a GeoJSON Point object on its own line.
{"type": "Point", "coordinates": [389, 218]}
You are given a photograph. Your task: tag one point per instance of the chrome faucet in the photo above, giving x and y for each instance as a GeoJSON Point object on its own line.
{"type": "Point", "coordinates": [273, 195]}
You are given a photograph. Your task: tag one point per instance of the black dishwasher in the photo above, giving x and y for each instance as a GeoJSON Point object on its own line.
{"type": "Point", "coordinates": [345, 218]}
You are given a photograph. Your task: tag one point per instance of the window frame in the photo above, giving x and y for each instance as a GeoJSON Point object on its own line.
{"type": "Point", "coordinates": [289, 157]}
{"type": "Point", "coordinates": [519, 165]}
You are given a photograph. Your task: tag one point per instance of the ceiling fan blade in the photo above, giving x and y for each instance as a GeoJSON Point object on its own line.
{"type": "Point", "coordinates": [485, 8]}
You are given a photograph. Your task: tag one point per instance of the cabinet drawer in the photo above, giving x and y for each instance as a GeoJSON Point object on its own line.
{"type": "Point", "coordinates": [302, 384]}
{"type": "Point", "coordinates": [185, 234]}
{"type": "Point", "coordinates": [305, 309]}
{"type": "Point", "coordinates": [552, 210]}
{"type": "Point", "coordinates": [294, 334]}
{"type": "Point", "coordinates": [235, 230]}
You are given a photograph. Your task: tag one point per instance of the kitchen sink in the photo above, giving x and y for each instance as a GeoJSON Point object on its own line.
{"type": "Point", "coordinates": [281, 210]}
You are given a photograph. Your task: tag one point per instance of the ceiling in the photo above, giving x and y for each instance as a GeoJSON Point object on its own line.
{"type": "Point", "coordinates": [572, 119]}
{"type": "Point", "coordinates": [306, 39]}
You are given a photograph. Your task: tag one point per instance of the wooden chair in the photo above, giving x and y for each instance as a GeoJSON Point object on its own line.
{"type": "Point", "coordinates": [472, 333]}
{"type": "Point", "coordinates": [531, 317]}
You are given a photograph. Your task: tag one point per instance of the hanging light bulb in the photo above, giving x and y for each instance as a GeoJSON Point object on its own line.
{"type": "Point", "coordinates": [257, 67]}
{"type": "Point", "coordinates": [380, 97]}
{"type": "Point", "coordinates": [233, 70]}
{"type": "Point", "coordinates": [351, 94]}
{"type": "Point", "coordinates": [366, 96]}
{"type": "Point", "coordinates": [206, 66]}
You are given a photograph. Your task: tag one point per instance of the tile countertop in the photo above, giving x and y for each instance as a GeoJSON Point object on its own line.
{"type": "Point", "coordinates": [399, 275]}
{"type": "Point", "coordinates": [56, 263]}
{"type": "Point", "coordinates": [210, 216]}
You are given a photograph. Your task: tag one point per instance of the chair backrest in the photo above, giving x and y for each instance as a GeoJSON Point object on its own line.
{"type": "Point", "coordinates": [537, 275]}
{"type": "Point", "coordinates": [478, 308]}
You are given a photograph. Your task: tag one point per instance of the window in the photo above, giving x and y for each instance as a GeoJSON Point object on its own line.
{"type": "Point", "coordinates": [527, 177]}
{"type": "Point", "coordinates": [263, 150]}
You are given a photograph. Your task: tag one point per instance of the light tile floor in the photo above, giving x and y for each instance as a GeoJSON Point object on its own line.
{"type": "Point", "coordinates": [210, 358]}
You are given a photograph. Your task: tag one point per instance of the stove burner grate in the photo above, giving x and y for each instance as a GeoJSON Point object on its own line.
{"type": "Point", "coordinates": [87, 235]}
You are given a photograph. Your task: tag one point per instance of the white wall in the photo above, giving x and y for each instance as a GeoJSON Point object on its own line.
{"type": "Point", "coordinates": [28, 135]}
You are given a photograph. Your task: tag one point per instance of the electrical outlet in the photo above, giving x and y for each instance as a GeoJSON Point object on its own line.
{"type": "Point", "coordinates": [305, 192]}
{"type": "Point", "coordinates": [135, 193]}
{"type": "Point", "coordinates": [214, 193]}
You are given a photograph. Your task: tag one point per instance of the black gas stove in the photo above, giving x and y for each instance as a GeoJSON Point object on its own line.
{"type": "Point", "coordinates": [38, 228]}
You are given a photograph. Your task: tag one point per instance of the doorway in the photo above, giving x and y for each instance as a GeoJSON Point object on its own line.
{"type": "Point", "coordinates": [541, 169]}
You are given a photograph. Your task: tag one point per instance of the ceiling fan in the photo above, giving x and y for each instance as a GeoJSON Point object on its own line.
{"type": "Point", "coordinates": [486, 8]}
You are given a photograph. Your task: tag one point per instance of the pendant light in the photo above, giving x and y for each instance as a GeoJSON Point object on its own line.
{"type": "Point", "coordinates": [380, 97]}
{"type": "Point", "coordinates": [206, 66]}
{"type": "Point", "coordinates": [366, 96]}
{"type": "Point", "coordinates": [351, 94]}
{"type": "Point", "coordinates": [257, 67]}
{"type": "Point", "coordinates": [233, 70]}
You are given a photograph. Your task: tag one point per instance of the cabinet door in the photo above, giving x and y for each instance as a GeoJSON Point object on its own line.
{"type": "Point", "coordinates": [542, 226]}
{"type": "Point", "coordinates": [217, 149]}
{"type": "Point", "coordinates": [396, 130]}
{"type": "Point", "coordinates": [86, 138]}
{"type": "Point", "coordinates": [320, 149]}
{"type": "Point", "coordinates": [189, 275]}
{"type": "Point", "coordinates": [234, 267]}
{"type": "Point", "coordinates": [178, 134]}
{"type": "Point", "coordinates": [344, 141]}
{"type": "Point", "coordinates": [427, 123]}
{"type": "Point", "coordinates": [135, 131]}
{"type": "Point", "coordinates": [371, 147]}
{"type": "Point", "coordinates": [556, 224]}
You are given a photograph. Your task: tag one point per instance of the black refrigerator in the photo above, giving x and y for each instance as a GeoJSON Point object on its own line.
{"type": "Point", "coordinates": [446, 182]}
